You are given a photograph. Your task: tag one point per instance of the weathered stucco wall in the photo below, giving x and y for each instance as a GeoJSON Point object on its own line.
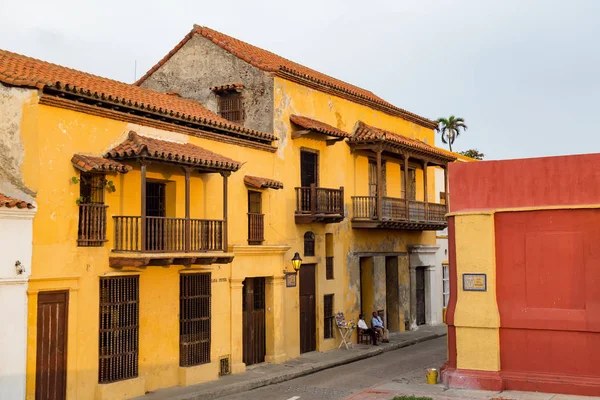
{"type": "Point", "coordinates": [200, 65]}
{"type": "Point", "coordinates": [12, 103]}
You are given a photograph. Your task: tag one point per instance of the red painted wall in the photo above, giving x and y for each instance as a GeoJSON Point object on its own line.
{"type": "Point", "coordinates": [565, 180]}
{"type": "Point", "coordinates": [548, 291]}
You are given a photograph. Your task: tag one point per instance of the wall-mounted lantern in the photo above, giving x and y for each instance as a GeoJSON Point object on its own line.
{"type": "Point", "coordinates": [296, 262]}
{"type": "Point", "coordinates": [290, 277]}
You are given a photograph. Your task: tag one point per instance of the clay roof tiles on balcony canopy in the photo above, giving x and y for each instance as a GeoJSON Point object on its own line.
{"type": "Point", "coordinates": [262, 183]}
{"type": "Point", "coordinates": [10, 202]}
{"type": "Point", "coordinates": [270, 62]}
{"type": "Point", "coordinates": [87, 163]}
{"type": "Point", "coordinates": [19, 70]}
{"type": "Point", "coordinates": [137, 146]}
{"type": "Point", "coordinates": [364, 133]}
{"type": "Point", "coordinates": [318, 126]}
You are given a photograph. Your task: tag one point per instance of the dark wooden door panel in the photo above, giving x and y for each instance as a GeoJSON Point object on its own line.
{"type": "Point", "coordinates": [253, 321]}
{"type": "Point", "coordinates": [51, 358]}
{"type": "Point", "coordinates": [308, 168]}
{"type": "Point", "coordinates": [420, 296]}
{"type": "Point", "coordinates": [308, 328]}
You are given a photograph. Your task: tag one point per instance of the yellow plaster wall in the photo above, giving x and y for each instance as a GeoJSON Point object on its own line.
{"type": "Point", "coordinates": [476, 318]}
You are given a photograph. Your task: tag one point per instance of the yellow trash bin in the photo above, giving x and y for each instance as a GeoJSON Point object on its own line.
{"type": "Point", "coordinates": [432, 375]}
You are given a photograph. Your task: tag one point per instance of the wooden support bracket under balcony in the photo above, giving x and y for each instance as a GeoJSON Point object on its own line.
{"type": "Point", "coordinates": [142, 260]}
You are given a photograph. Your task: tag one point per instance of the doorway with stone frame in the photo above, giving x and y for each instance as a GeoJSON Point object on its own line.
{"type": "Point", "coordinates": [425, 301]}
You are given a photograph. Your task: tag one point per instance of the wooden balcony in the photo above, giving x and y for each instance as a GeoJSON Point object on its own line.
{"type": "Point", "coordinates": [398, 214]}
{"type": "Point", "coordinates": [167, 241]}
{"type": "Point", "coordinates": [315, 204]}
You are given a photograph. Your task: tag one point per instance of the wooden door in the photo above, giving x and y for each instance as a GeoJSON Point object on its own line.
{"type": "Point", "coordinates": [420, 296]}
{"type": "Point", "coordinates": [308, 327]}
{"type": "Point", "coordinates": [253, 321]}
{"type": "Point", "coordinates": [155, 207]}
{"type": "Point", "coordinates": [309, 163]}
{"type": "Point", "coordinates": [51, 358]}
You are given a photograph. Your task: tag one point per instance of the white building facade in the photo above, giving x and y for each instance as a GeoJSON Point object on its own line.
{"type": "Point", "coordinates": [16, 220]}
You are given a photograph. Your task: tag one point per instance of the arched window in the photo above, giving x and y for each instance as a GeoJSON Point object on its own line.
{"type": "Point", "coordinates": [309, 244]}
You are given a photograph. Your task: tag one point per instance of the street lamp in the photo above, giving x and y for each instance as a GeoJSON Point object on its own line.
{"type": "Point", "coordinates": [296, 262]}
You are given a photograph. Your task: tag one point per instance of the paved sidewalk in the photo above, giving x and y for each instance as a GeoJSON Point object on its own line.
{"type": "Point", "coordinates": [268, 374]}
{"type": "Point", "coordinates": [439, 392]}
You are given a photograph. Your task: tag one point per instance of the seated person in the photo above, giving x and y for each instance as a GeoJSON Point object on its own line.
{"type": "Point", "coordinates": [377, 324]}
{"type": "Point", "coordinates": [362, 325]}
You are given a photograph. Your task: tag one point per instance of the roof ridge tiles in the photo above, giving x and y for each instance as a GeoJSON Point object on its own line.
{"type": "Point", "coordinates": [271, 62]}
{"type": "Point", "coordinates": [20, 70]}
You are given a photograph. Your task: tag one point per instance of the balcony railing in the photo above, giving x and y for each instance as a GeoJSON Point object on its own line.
{"type": "Point", "coordinates": [318, 203]}
{"type": "Point", "coordinates": [92, 225]}
{"type": "Point", "coordinates": [256, 228]}
{"type": "Point", "coordinates": [398, 210]}
{"type": "Point", "coordinates": [167, 235]}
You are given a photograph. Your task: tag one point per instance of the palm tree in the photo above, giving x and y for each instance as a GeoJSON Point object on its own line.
{"type": "Point", "coordinates": [450, 129]}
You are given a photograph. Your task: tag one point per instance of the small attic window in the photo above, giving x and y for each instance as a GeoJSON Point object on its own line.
{"type": "Point", "coordinates": [230, 102]}
{"type": "Point", "coordinates": [230, 106]}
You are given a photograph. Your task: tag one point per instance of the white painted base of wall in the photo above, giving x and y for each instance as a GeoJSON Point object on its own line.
{"type": "Point", "coordinates": [15, 245]}
{"type": "Point", "coordinates": [13, 338]}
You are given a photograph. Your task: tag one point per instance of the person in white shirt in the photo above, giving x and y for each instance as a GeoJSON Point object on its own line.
{"type": "Point", "coordinates": [377, 324]}
{"type": "Point", "coordinates": [362, 325]}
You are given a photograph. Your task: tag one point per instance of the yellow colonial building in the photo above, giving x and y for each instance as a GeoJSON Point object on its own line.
{"type": "Point", "coordinates": [169, 212]}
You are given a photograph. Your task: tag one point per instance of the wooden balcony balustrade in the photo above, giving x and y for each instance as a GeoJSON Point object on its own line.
{"type": "Point", "coordinates": [92, 225]}
{"type": "Point", "coordinates": [256, 228]}
{"type": "Point", "coordinates": [397, 213]}
{"type": "Point", "coordinates": [168, 235]}
{"type": "Point", "coordinates": [316, 204]}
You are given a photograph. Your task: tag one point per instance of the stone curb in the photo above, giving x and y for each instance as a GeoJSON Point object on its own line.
{"type": "Point", "coordinates": [261, 382]}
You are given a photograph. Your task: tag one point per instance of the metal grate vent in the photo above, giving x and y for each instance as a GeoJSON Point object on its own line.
{"type": "Point", "coordinates": [224, 365]}
{"type": "Point", "coordinates": [194, 319]}
{"type": "Point", "coordinates": [119, 325]}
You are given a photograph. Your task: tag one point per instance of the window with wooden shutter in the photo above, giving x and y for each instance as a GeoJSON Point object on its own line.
{"type": "Point", "coordinates": [309, 244]}
{"type": "Point", "coordinates": [119, 328]}
{"type": "Point", "coordinates": [256, 228]}
{"type": "Point", "coordinates": [194, 319]}
{"type": "Point", "coordinates": [373, 177]}
{"type": "Point", "coordinates": [230, 107]}
{"type": "Point", "coordinates": [91, 230]}
{"type": "Point", "coordinates": [328, 315]}
{"type": "Point", "coordinates": [329, 256]}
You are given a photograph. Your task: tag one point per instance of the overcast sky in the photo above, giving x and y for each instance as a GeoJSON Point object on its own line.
{"type": "Point", "coordinates": [523, 73]}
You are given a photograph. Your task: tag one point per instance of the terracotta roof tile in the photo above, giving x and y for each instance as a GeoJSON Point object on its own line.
{"type": "Point", "coordinates": [10, 202]}
{"type": "Point", "coordinates": [98, 164]}
{"type": "Point", "coordinates": [367, 133]}
{"type": "Point", "coordinates": [318, 126]}
{"type": "Point", "coordinates": [137, 146]}
{"type": "Point", "coordinates": [231, 86]}
{"type": "Point", "coordinates": [262, 183]}
{"type": "Point", "coordinates": [19, 70]}
{"type": "Point", "coordinates": [271, 62]}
